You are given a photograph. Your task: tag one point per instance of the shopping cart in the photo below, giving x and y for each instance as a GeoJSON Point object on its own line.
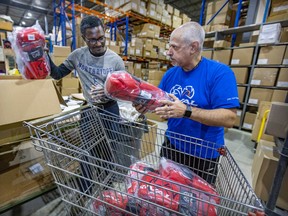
{"type": "Point", "coordinates": [88, 155]}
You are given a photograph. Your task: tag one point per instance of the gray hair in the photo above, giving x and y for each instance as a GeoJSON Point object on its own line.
{"type": "Point", "coordinates": [192, 31]}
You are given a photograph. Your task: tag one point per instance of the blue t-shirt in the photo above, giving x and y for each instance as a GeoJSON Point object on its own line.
{"type": "Point", "coordinates": [211, 85]}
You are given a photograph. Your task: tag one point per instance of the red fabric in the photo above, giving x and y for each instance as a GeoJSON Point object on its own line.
{"type": "Point", "coordinates": [114, 198]}
{"type": "Point", "coordinates": [170, 170]}
{"type": "Point", "coordinates": [30, 43]}
{"type": "Point", "coordinates": [166, 194]}
{"type": "Point", "coordinates": [123, 86]}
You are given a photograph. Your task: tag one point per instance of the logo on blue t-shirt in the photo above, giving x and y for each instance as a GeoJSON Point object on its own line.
{"type": "Point", "coordinates": [184, 94]}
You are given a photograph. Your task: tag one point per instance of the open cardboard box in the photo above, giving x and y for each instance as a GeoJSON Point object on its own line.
{"type": "Point", "coordinates": [24, 100]}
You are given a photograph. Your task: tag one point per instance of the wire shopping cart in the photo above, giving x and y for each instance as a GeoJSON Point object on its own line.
{"type": "Point", "coordinates": [91, 162]}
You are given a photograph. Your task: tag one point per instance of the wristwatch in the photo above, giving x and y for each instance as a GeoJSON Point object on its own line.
{"type": "Point", "coordinates": [188, 112]}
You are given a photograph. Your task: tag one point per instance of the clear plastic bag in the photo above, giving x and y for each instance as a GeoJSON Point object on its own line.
{"type": "Point", "coordinates": [28, 44]}
{"type": "Point", "coordinates": [121, 85]}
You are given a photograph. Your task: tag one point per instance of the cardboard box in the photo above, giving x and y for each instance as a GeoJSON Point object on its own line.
{"type": "Point", "coordinates": [238, 118]}
{"type": "Point", "coordinates": [8, 26]}
{"type": "Point", "coordinates": [63, 51]}
{"type": "Point", "coordinates": [271, 55]}
{"type": "Point", "coordinates": [249, 120]}
{"type": "Point", "coordinates": [279, 95]}
{"type": "Point", "coordinates": [221, 44]}
{"type": "Point", "coordinates": [264, 166]}
{"type": "Point", "coordinates": [222, 56]}
{"type": "Point", "coordinates": [57, 60]}
{"type": "Point", "coordinates": [14, 132]}
{"type": "Point", "coordinates": [25, 181]}
{"type": "Point", "coordinates": [38, 98]}
{"type": "Point", "coordinates": [259, 94]}
{"type": "Point", "coordinates": [69, 91]}
{"type": "Point", "coordinates": [149, 139]}
{"type": "Point", "coordinates": [214, 7]}
{"type": "Point", "coordinates": [282, 80]}
{"type": "Point", "coordinates": [285, 58]}
{"type": "Point", "coordinates": [264, 76]}
{"type": "Point", "coordinates": [207, 54]}
{"type": "Point", "coordinates": [241, 74]}
{"type": "Point", "coordinates": [70, 82]}
{"type": "Point", "coordinates": [277, 122]}
{"type": "Point", "coordinates": [155, 75]}
{"type": "Point", "coordinates": [23, 152]}
{"type": "Point", "coordinates": [241, 93]}
{"type": "Point", "coordinates": [154, 117]}
{"type": "Point", "coordinates": [242, 56]}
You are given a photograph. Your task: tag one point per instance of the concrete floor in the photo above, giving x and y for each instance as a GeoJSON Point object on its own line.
{"type": "Point", "coordinates": [238, 142]}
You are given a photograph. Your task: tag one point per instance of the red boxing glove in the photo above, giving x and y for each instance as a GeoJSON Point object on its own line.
{"type": "Point", "coordinates": [30, 43]}
{"type": "Point", "coordinates": [172, 196]}
{"type": "Point", "coordinates": [137, 171]}
{"type": "Point", "coordinates": [122, 85]}
{"type": "Point", "coordinates": [170, 170]}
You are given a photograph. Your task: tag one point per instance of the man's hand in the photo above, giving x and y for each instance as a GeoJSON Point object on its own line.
{"type": "Point", "coordinates": [140, 108]}
{"type": "Point", "coordinates": [171, 109]}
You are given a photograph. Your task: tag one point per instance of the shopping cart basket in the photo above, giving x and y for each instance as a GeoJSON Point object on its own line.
{"type": "Point", "coordinates": [84, 149]}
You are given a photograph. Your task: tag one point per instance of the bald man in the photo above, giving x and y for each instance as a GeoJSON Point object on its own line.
{"type": "Point", "coordinates": [205, 101]}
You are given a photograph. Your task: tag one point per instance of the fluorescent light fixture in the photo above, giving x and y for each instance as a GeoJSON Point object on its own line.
{"type": "Point", "coordinates": [23, 22]}
{"type": "Point", "coordinates": [29, 14]}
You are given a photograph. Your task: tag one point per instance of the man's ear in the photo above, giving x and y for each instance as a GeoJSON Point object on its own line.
{"type": "Point", "coordinates": [194, 47]}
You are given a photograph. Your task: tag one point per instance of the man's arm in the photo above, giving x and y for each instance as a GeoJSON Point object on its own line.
{"type": "Point", "coordinates": [216, 117]}
{"type": "Point", "coordinates": [58, 72]}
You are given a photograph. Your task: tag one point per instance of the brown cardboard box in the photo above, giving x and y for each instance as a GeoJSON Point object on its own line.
{"type": "Point", "coordinates": [238, 118]}
{"type": "Point", "coordinates": [241, 74]}
{"type": "Point", "coordinates": [264, 166]}
{"type": "Point", "coordinates": [264, 76]}
{"type": "Point", "coordinates": [25, 181]}
{"type": "Point", "coordinates": [14, 132]}
{"type": "Point", "coordinates": [149, 139]}
{"type": "Point", "coordinates": [284, 36]}
{"type": "Point", "coordinates": [249, 120]}
{"type": "Point", "coordinates": [57, 60]}
{"type": "Point", "coordinates": [242, 56]}
{"type": "Point", "coordinates": [221, 18]}
{"type": "Point", "coordinates": [8, 26]}
{"type": "Point", "coordinates": [279, 95]}
{"type": "Point", "coordinates": [214, 6]}
{"type": "Point", "coordinates": [69, 91]}
{"type": "Point", "coordinates": [154, 117]}
{"type": "Point", "coordinates": [222, 56]}
{"type": "Point", "coordinates": [207, 54]}
{"type": "Point", "coordinates": [277, 122]}
{"type": "Point", "coordinates": [154, 82]}
{"type": "Point", "coordinates": [155, 75]}
{"type": "Point", "coordinates": [241, 93]}
{"type": "Point", "coordinates": [285, 58]}
{"type": "Point", "coordinates": [282, 80]}
{"type": "Point", "coordinates": [259, 94]}
{"type": "Point", "coordinates": [70, 82]}
{"type": "Point", "coordinates": [271, 55]}
{"type": "Point", "coordinates": [63, 51]}
{"type": "Point", "coordinates": [221, 44]}
{"type": "Point", "coordinates": [38, 98]}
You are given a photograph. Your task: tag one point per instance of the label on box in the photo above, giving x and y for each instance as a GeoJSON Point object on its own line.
{"type": "Point", "coordinates": [253, 101]}
{"type": "Point", "coordinates": [285, 61]}
{"type": "Point", "coordinates": [36, 168]}
{"type": "Point", "coordinates": [262, 61]}
{"type": "Point", "coordinates": [239, 112]}
{"type": "Point", "coordinates": [235, 61]}
{"type": "Point", "coordinates": [282, 84]}
{"type": "Point", "coordinates": [255, 82]}
{"type": "Point", "coordinates": [248, 126]}
{"type": "Point", "coordinates": [138, 66]}
{"type": "Point", "coordinates": [137, 51]}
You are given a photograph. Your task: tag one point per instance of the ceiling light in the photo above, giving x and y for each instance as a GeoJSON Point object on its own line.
{"type": "Point", "coordinates": [29, 14]}
{"type": "Point", "coordinates": [23, 22]}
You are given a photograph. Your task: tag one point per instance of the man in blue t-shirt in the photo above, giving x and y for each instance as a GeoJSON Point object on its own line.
{"type": "Point", "coordinates": [205, 101]}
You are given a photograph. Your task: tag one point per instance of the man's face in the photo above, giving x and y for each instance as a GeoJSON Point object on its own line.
{"type": "Point", "coordinates": [179, 51]}
{"type": "Point", "coordinates": [95, 39]}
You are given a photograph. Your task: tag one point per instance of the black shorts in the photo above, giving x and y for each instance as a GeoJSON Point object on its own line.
{"type": "Point", "coordinates": [205, 168]}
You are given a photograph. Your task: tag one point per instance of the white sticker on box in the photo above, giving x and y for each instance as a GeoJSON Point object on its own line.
{"type": "Point", "coordinates": [253, 101]}
{"type": "Point", "coordinates": [137, 51]}
{"type": "Point", "coordinates": [282, 84]}
{"type": "Point", "coordinates": [134, 5]}
{"type": "Point", "coordinates": [239, 112]}
{"type": "Point", "coordinates": [36, 168]}
{"type": "Point", "coordinates": [247, 126]}
{"type": "Point", "coordinates": [138, 66]}
{"type": "Point", "coordinates": [285, 61]}
{"type": "Point", "coordinates": [255, 82]}
{"type": "Point", "coordinates": [235, 61]}
{"type": "Point", "coordinates": [262, 61]}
